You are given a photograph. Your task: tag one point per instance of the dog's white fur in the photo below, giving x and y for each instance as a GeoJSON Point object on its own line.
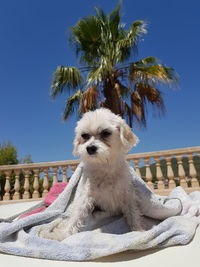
{"type": "Point", "coordinates": [108, 181]}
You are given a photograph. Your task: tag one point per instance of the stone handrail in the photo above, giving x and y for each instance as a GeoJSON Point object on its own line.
{"type": "Point", "coordinates": [25, 182]}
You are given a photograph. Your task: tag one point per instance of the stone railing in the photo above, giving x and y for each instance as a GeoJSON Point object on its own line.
{"type": "Point", "coordinates": [162, 171]}
{"type": "Point", "coordinates": [17, 181]}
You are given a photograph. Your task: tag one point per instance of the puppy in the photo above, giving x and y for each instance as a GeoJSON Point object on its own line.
{"type": "Point", "coordinates": [102, 141]}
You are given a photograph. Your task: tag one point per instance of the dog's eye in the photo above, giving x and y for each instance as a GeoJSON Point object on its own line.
{"type": "Point", "coordinates": [105, 133]}
{"type": "Point", "coordinates": [85, 136]}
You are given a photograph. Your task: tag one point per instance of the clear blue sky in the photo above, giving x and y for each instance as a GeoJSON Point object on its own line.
{"type": "Point", "coordinates": [34, 42]}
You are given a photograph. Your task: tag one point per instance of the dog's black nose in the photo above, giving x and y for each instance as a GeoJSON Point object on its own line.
{"type": "Point", "coordinates": [91, 150]}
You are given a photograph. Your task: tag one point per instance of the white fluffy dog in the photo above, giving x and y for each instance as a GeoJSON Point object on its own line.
{"type": "Point", "coordinates": [102, 141]}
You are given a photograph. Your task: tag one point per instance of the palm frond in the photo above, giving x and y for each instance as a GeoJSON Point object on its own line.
{"type": "Point", "coordinates": [86, 37]}
{"type": "Point", "coordinates": [89, 99]}
{"type": "Point", "coordinates": [65, 78]}
{"type": "Point", "coordinates": [137, 29]}
{"type": "Point", "coordinates": [72, 104]}
{"type": "Point", "coordinates": [100, 72]}
{"type": "Point", "coordinates": [95, 76]}
{"type": "Point", "coordinates": [130, 40]}
{"type": "Point", "coordinates": [147, 61]}
{"type": "Point", "coordinates": [127, 113]}
{"type": "Point", "coordinates": [114, 21]}
{"type": "Point", "coordinates": [138, 107]}
{"type": "Point", "coordinates": [122, 89]}
{"type": "Point", "coordinates": [101, 15]}
{"type": "Point", "coordinates": [152, 95]}
{"type": "Point", "coordinates": [152, 74]}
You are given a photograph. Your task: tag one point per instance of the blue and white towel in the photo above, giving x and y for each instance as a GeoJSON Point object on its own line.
{"type": "Point", "coordinates": [169, 221]}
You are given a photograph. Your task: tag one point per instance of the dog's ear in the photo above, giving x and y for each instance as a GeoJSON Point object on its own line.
{"type": "Point", "coordinates": [128, 138]}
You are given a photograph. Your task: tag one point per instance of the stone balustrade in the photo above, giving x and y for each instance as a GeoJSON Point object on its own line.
{"type": "Point", "coordinates": [164, 170]}
{"type": "Point", "coordinates": [161, 170]}
{"type": "Point", "coordinates": [33, 181]}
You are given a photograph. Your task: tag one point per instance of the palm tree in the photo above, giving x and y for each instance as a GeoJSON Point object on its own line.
{"type": "Point", "coordinates": [107, 76]}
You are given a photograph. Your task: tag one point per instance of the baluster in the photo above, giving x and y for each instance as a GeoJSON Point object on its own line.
{"type": "Point", "coordinates": [72, 168]}
{"type": "Point", "coordinates": [181, 172]}
{"type": "Point", "coordinates": [192, 171]}
{"type": "Point", "coordinates": [45, 182]}
{"type": "Point", "coordinates": [148, 174]}
{"type": "Point", "coordinates": [36, 193]}
{"type": "Point", "coordinates": [159, 174]}
{"type": "Point", "coordinates": [55, 179]}
{"type": "Point", "coordinates": [17, 185]}
{"type": "Point", "coordinates": [26, 194]}
{"type": "Point", "coordinates": [64, 179]}
{"type": "Point", "coordinates": [7, 186]}
{"type": "Point", "coordinates": [170, 173]}
{"type": "Point", "coordinates": [137, 169]}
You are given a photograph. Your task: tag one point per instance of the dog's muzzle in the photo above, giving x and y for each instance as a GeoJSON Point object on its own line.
{"type": "Point", "coordinates": [91, 150]}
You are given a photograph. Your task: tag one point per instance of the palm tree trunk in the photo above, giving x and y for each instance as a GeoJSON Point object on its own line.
{"type": "Point", "coordinates": [112, 97]}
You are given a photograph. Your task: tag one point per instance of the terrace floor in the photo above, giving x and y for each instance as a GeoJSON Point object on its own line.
{"type": "Point", "coordinates": [177, 256]}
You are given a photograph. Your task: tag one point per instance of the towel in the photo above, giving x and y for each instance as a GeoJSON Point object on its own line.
{"type": "Point", "coordinates": [49, 198]}
{"type": "Point", "coordinates": [169, 220]}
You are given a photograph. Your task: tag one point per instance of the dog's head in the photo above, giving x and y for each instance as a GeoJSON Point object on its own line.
{"type": "Point", "coordinates": [101, 135]}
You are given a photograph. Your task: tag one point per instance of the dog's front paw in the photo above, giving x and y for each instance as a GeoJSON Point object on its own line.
{"type": "Point", "coordinates": [51, 231]}
{"type": "Point", "coordinates": [45, 233]}
{"type": "Point", "coordinates": [55, 234]}
{"type": "Point", "coordinates": [51, 235]}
